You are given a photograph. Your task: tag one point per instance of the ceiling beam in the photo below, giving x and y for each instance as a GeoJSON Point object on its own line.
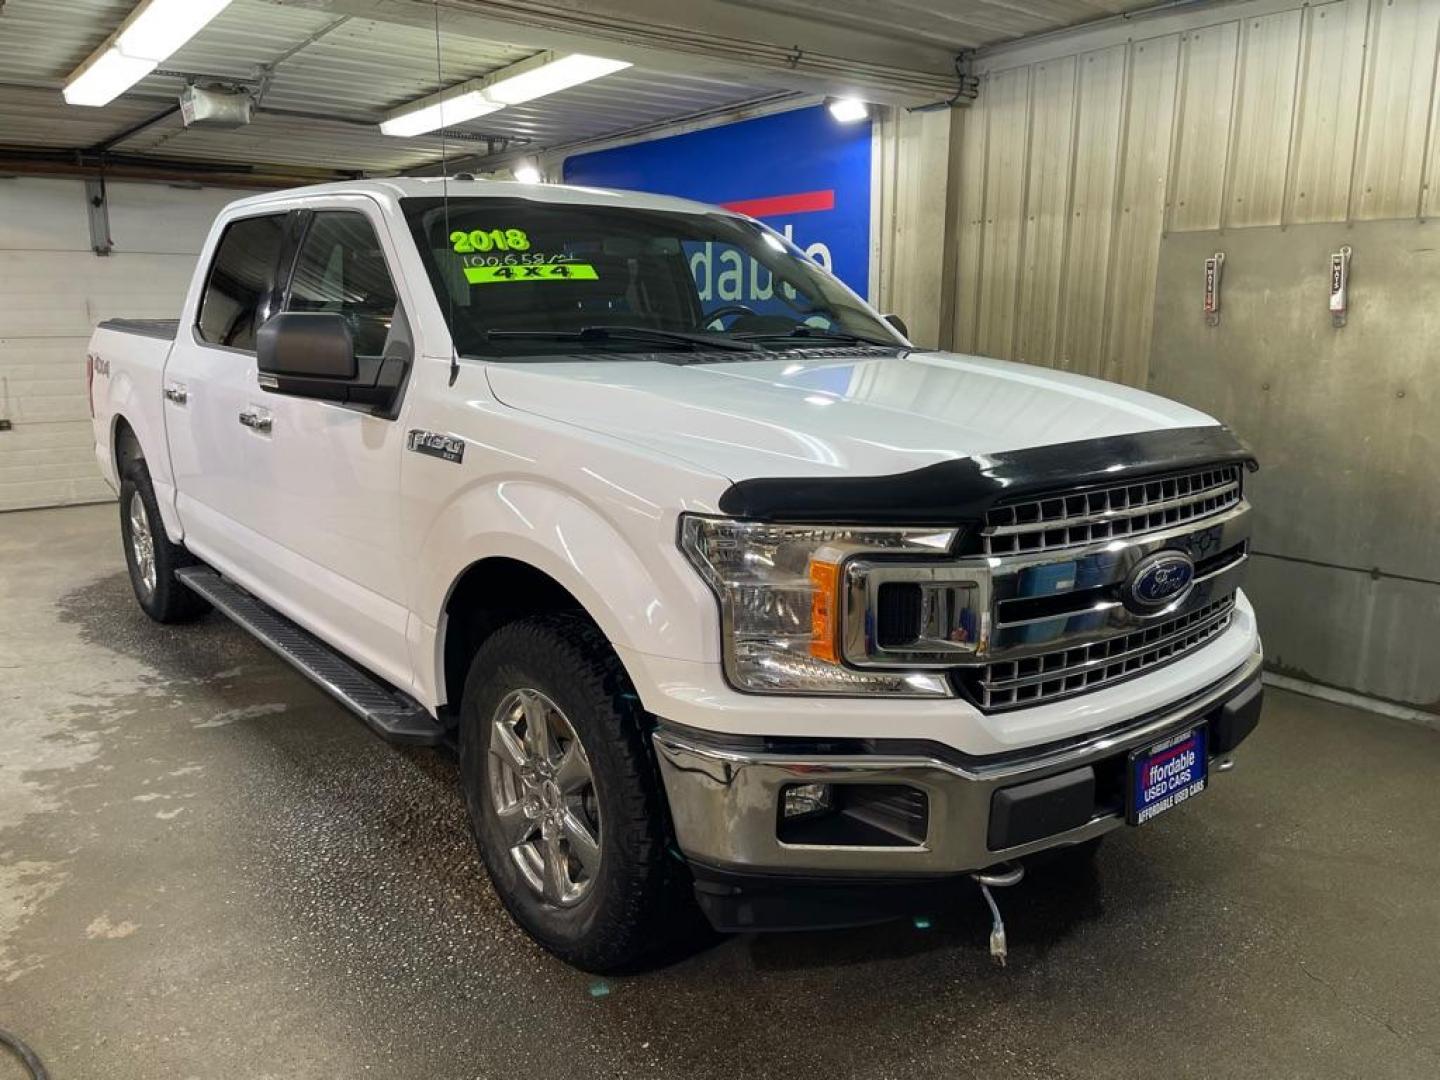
{"type": "Point", "coordinates": [698, 37]}
{"type": "Point", "coordinates": [30, 161]}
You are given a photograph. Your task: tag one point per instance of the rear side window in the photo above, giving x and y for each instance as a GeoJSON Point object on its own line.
{"type": "Point", "coordinates": [241, 280]}
{"type": "Point", "coordinates": [341, 269]}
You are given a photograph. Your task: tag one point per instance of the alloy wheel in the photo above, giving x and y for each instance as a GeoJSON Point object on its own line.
{"type": "Point", "coordinates": [542, 793]}
{"type": "Point", "coordinates": [142, 544]}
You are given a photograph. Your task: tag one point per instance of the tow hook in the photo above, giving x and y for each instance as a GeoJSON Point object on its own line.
{"type": "Point", "coordinates": [998, 877]}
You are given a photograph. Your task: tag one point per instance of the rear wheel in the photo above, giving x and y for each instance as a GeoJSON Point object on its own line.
{"type": "Point", "coordinates": [564, 799]}
{"type": "Point", "coordinates": [149, 554]}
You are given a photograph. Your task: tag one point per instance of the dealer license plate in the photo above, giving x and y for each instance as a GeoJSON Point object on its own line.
{"type": "Point", "coordinates": [1164, 775]}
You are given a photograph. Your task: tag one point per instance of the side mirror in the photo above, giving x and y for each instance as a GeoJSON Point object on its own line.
{"type": "Point", "coordinates": [312, 354]}
{"type": "Point", "coordinates": [305, 345]}
{"type": "Point", "coordinates": [899, 324]}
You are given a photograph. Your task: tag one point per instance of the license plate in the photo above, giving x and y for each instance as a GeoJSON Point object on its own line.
{"type": "Point", "coordinates": [1164, 775]}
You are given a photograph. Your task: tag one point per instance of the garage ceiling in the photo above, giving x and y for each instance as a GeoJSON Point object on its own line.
{"type": "Point", "coordinates": [323, 79]}
{"type": "Point", "coordinates": [325, 71]}
{"type": "Point", "coordinates": [959, 24]}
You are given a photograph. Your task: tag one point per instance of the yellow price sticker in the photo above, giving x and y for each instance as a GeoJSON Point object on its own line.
{"type": "Point", "coordinates": [491, 275]}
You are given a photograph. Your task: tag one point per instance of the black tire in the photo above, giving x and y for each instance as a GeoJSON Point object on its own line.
{"type": "Point", "coordinates": [159, 594]}
{"type": "Point", "coordinates": [638, 908]}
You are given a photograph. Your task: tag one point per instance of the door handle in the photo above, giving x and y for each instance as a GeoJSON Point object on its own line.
{"type": "Point", "coordinates": [177, 393]}
{"type": "Point", "coordinates": [255, 422]}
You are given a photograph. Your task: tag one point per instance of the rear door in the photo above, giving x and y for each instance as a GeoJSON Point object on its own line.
{"type": "Point", "coordinates": [208, 381]}
{"type": "Point", "coordinates": [326, 476]}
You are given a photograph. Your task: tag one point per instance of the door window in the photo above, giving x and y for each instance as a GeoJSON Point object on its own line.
{"type": "Point", "coordinates": [341, 269]}
{"type": "Point", "coordinates": [240, 282]}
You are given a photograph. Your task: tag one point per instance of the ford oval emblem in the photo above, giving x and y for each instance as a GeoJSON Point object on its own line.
{"type": "Point", "coordinates": [1159, 580]}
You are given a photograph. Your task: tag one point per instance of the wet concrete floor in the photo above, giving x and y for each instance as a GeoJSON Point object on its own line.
{"type": "Point", "coordinates": [207, 869]}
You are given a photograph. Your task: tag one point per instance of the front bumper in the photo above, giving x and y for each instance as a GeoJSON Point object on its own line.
{"type": "Point", "coordinates": [725, 794]}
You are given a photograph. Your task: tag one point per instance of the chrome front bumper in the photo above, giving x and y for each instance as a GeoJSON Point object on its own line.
{"type": "Point", "coordinates": [724, 800]}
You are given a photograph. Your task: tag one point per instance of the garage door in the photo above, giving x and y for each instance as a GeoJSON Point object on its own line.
{"type": "Point", "coordinates": [53, 289]}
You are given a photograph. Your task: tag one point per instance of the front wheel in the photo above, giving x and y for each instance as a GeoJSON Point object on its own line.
{"type": "Point", "coordinates": [564, 799]}
{"type": "Point", "coordinates": [151, 557]}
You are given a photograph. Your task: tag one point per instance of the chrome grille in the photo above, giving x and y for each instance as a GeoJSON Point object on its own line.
{"type": "Point", "coordinates": [1033, 680]}
{"type": "Point", "coordinates": [1085, 517]}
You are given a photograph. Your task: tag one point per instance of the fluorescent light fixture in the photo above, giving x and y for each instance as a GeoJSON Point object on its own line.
{"type": "Point", "coordinates": [162, 26]}
{"type": "Point", "coordinates": [105, 77]}
{"type": "Point", "coordinates": [153, 31]}
{"type": "Point", "coordinates": [527, 173]}
{"type": "Point", "coordinates": [542, 74]}
{"type": "Point", "coordinates": [427, 114]}
{"type": "Point", "coordinates": [848, 110]}
{"type": "Point", "coordinates": [550, 74]}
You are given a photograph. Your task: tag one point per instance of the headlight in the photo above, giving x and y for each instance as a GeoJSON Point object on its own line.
{"type": "Point", "coordinates": [778, 587]}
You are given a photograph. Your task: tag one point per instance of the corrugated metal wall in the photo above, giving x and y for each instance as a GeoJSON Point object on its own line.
{"type": "Point", "coordinates": [53, 290]}
{"type": "Point", "coordinates": [1100, 167]}
{"type": "Point", "coordinates": [1073, 164]}
{"type": "Point", "coordinates": [911, 159]}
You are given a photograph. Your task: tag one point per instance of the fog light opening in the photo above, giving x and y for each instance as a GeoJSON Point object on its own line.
{"type": "Point", "coordinates": [800, 801]}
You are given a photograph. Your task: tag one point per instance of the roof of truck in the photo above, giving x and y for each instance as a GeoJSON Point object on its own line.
{"type": "Point", "coordinates": [458, 187]}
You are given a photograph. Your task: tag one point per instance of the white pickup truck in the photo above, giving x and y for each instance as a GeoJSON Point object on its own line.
{"type": "Point", "coordinates": [731, 599]}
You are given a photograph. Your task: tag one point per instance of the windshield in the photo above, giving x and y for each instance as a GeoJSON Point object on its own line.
{"type": "Point", "coordinates": [517, 277]}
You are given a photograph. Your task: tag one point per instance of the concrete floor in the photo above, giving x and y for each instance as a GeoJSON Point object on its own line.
{"type": "Point", "coordinates": [209, 870]}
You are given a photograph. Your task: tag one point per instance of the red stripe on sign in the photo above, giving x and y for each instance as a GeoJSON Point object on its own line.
{"type": "Point", "coordinates": [802, 202]}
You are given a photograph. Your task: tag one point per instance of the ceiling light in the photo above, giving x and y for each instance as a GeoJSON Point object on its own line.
{"type": "Point", "coordinates": [542, 74]}
{"type": "Point", "coordinates": [162, 26]}
{"type": "Point", "coordinates": [153, 31]}
{"type": "Point", "coordinates": [848, 110]}
{"type": "Point", "coordinates": [105, 78]}
{"type": "Point", "coordinates": [527, 173]}
{"type": "Point", "coordinates": [428, 114]}
{"type": "Point", "coordinates": [550, 73]}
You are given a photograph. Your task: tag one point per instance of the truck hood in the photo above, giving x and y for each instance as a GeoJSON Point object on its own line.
{"type": "Point", "coordinates": [796, 417]}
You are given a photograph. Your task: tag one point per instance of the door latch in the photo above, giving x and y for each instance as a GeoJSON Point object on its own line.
{"type": "Point", "coordinates": [255, 422]}
{"type": "Point", "coordinates": [1339, 286]}
{"type": "Point", "coordinates": [177, 393]}
{"type": "Point", "coordinates": [1214, 267]}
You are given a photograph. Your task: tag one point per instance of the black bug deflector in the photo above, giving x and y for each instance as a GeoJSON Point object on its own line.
{"type": "Point", "coordinates": [962, 490]}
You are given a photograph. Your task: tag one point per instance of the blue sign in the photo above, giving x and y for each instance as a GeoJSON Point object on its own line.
{"type": "Point", "coordinates": [802, 172]}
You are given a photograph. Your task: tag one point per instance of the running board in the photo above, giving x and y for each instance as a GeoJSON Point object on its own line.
{"type": "Point", "coordinates": [391, 714]}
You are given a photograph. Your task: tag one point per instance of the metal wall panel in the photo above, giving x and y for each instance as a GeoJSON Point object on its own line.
{"type": "Point", "coordinates": [1292, 126]}
{"type": "Point", "coordinates": [1342, 419]}
{"type": "Point", "coordinates": [1396, 117]}
{"type": "Point", "coordinates": [1047, 210]}
{"type": "Point", "coordinates": [1008, 116]}
{"type": "Point", "coordinates": [1260, 154]}
{"type": "Point", "coordinates": [1100, 110]}
{"type": "Point", "coordinates": [912, 151]}
{"type": "Point", "coordinates": [1149, 130]}
{"type": "Point", "coordinates": [967, 179]}
{"type": "Point", "coordinates": [1278, 113]}
{"type": "Point", "coordinates": [1207, 94]}
{"type": "Point", "coordinates": [1329, 111]}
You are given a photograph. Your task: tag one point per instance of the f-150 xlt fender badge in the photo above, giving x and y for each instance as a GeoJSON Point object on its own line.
{"type": "Point", "coordinates": [444, 447]}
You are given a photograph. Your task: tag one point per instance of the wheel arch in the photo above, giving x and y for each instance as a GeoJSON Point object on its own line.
{"type": "Point", "coordinates": [528, 546]}
{"type": "Point", "coordinates": [488, 594]}
{"type": "Point", "coordinates": [125, 445]}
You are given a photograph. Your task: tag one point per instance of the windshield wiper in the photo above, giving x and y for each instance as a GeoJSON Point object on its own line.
{"type": "Point", "coordinates": [607, 334]}
{"type": "Point", "coordinates": [816, 332]}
